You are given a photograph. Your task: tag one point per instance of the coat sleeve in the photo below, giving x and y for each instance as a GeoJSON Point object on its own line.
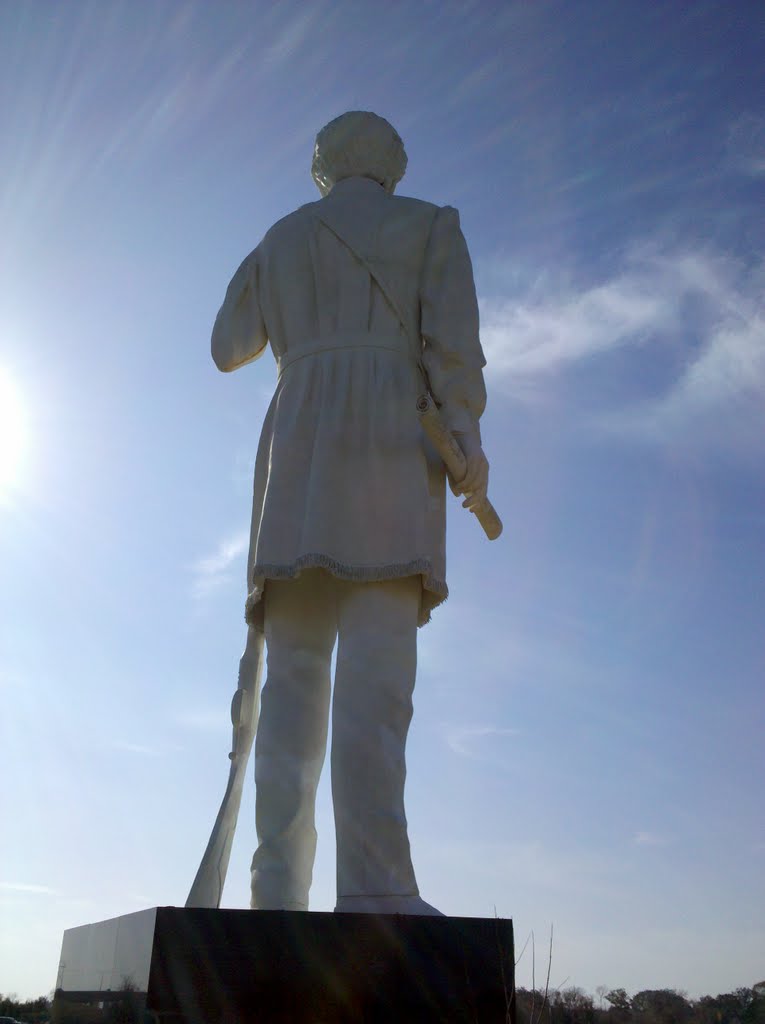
{"type": "Point", "coordinates": [239, 334]}
{"type": "Point", "coordinates": [452, 353]}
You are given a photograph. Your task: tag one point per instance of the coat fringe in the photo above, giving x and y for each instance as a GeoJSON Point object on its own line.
{"type": "Point", "coordinates": [434, 591]}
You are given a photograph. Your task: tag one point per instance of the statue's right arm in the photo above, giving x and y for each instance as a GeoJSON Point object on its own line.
{"type": "Point", "coordinates": [239, 334]}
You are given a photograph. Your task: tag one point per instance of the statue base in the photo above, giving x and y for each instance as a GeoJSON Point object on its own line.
{"type": "Point", "coordinates": [230, 966]}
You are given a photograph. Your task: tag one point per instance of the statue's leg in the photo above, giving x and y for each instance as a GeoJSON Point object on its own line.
{"type": "Point", "coordinates": [300, 627]}
{"type": "Point", "coordinates": [372, 709]}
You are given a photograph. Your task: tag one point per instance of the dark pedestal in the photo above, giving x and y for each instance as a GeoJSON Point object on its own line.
{"type": "Point", "coordinates": [234, 966]}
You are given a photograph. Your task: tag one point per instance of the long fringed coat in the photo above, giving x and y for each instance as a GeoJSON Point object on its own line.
{"type": "Point", "coordinates": [365, 298]}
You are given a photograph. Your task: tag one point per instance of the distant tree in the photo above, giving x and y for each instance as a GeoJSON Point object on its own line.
{"type": "Point", "coordinates": [661, 1006]}
{"type": "Point", "coordinates": [572, 1006]}
{"type": "Point", "coordinates": [619, 1000]}
{"type": "Point", "coordinates": [8, 1004]}
{"type": "Point", "coordinates": [523, 1004]}
{"type": "Point", "coordinates": [619, 1010]}
{"type": "Point", "coordinates": [742, 1006]}
{"type": "Point", "coordinates": [531, 1006]}
{"type": "Point", "coordinates": [30, 1011]}
{"type": "Point", "coordinates": [756, 1012]}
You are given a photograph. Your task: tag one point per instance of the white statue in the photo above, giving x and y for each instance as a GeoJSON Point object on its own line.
{"type": "Point", "coordinates": [368, 301]}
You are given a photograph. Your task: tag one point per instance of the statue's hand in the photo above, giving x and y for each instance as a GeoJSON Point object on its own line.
{"type": "Point", "coordinates": [475, 482]}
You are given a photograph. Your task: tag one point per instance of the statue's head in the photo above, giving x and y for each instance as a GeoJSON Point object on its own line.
{"type": "Point", "coordinates": [358, 144]}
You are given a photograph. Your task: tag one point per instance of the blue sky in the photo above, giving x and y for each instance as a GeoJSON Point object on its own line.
{"type": "Point", "coordinates": [587, 747]}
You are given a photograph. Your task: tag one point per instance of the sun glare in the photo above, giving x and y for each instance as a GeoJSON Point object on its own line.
{"type": "Point", "coordinates": [11, 431]}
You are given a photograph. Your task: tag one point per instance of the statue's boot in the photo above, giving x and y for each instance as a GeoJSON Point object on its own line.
{"type": "Point", "coordinates": [386, 905]}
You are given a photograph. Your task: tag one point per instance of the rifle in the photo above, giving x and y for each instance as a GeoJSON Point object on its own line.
{"type": "Point", "coordinates": [208, 883]}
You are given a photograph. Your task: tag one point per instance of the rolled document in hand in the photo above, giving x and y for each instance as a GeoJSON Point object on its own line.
{"type": "Point", "coordinates": [454, 459]}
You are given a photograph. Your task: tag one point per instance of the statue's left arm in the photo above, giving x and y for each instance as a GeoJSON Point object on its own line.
{"type": "Point", "coordinates": [239, 334]}
{"type": "Point", "coordinates": [452, 353]}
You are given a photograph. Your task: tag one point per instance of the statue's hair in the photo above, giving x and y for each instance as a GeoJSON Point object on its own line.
{"type": "Point", "coordinates": [358, 143]}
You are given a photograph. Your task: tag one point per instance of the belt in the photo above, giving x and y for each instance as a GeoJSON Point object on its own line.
{"type": "Point", "coordinates": [390, 341]}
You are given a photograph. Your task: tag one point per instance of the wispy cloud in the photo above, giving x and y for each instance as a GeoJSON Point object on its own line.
{"type": "Point", "coordinates": [465, 739]}
{"type": "Point", "coordinates": [213, 571]}
{"type": "Point", "coordinates": [26, 887]}
{"type": "Point", "coordinates": [746, 144]}
{"type": "Point", "coordinates": [292, 36]}
{"type": "Point", "coordinates": [558, 325]}
{"type": "Point", "coordinates": [705, 305]}
{"type": "Point", "coordinates": [545, 867]}
{"type": "Point", "coordinates": [649, 839]}
{"type": "Point", "coordinates": [208, 720]}
{"type": "Point", "coordinates": [134, 748]}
